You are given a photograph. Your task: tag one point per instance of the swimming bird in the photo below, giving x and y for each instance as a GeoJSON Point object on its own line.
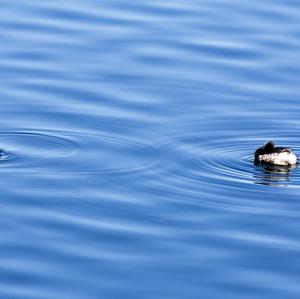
{"type": "Point", "coordinates": [270, 154]}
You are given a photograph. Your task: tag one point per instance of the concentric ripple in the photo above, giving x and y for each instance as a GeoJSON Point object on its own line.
{"type": "Point", "coordinates": [220, 171]}
{"type": "Point", "coordinates": [61, 151]}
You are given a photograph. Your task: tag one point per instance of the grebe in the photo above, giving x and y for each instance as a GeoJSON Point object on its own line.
{"type": "Point", "coordinates": [268, 153]}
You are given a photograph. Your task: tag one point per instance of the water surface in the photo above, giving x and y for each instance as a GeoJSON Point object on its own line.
{"type": "Point", "coordinates": [127, 137]}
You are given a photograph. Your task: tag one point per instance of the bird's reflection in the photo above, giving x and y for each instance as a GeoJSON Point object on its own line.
{"type": "Point", "coordinates": [273, 175]}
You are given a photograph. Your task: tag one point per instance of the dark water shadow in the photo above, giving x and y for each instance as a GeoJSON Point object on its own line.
{"type": "Point", "coordinates": [273, 175]}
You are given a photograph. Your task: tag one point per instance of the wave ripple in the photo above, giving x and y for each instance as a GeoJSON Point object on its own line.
{"type": "Point", "coordinates": [72, 152]}
{"type": "Point", "coordinates": [220, 171]}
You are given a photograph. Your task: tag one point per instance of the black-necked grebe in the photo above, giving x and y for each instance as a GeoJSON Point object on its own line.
{"type": "Point", "coordinates": [268, 153]}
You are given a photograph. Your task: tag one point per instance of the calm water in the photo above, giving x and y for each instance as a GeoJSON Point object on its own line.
{"type": "Point", "coordinates": [128, 129]}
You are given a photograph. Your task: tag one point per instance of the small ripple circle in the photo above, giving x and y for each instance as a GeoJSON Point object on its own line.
{"type": "Point", "coordinates": [74, 152]}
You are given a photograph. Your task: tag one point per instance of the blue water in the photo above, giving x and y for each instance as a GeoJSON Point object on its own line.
{"type": "Point", "coordinates": [127, 134]}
